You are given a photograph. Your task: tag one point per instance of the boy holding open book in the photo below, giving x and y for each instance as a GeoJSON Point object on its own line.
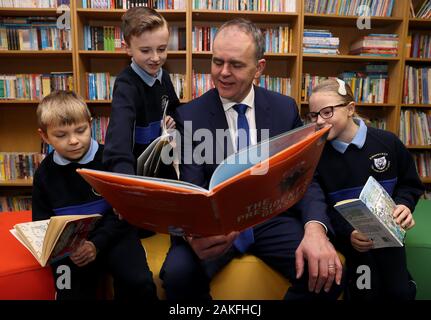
{"type": "Point", "coordinates": [64, 122]}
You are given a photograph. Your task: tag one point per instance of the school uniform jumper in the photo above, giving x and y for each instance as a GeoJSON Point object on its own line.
{"type": "Point", "coordinates": [135, 116]}
{"type": "Point", "coordinates": [342, 172]}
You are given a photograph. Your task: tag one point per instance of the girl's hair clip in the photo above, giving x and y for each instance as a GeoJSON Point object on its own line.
{"type": "Point", "coordinates": [342, 87]}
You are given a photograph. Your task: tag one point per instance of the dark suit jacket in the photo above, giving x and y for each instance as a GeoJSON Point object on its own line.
{"type": "Point", "coordinates": [273, 111]}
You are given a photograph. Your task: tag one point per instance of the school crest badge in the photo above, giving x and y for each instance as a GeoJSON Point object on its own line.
{"type": "Point", "coordinates": [380, 163]}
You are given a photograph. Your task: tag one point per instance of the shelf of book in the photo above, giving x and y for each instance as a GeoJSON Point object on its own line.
{"type": "Point", "coordinates": [420, 23]}
{"type": "Point", "coordinates": [4, 102]}
{"type": "Point", "coordinates": [255, 16]}
{"type": "Point", "coordinates": [418, 60]}
{"type": "Point", "coordinates": [419, 147]}
{"type": "Point", "coordinates": [36, 54]}
{"type": "Point", "coordinates": [339, 20]}
{"type": "Point", "coordinates": [115, 14]}
{"type": "Point", "coordinates": [426, 180]}
{"type": "Point", "coordinates": [346, 58]}
{"type": "Point", "coordinates": [16, 183]}
{"type": "Point", "coordinates": [419, 106]}
{"type": "Point", "coordinates": [29, 12]}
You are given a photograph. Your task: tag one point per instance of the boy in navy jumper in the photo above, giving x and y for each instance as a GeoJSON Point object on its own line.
{"type": "Point", "coordinates": [355, 152]}
{"type": "Point", "coordinates": [140, 91]}
{"type": "Point", "coordinates": [65, 123]}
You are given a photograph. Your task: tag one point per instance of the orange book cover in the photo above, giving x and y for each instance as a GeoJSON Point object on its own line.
{"type": "Point", "coordinates": [241, 194]}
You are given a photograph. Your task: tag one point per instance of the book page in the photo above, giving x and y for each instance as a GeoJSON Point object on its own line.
{"type": "Point", "coordinates": [33, 234]}
{"type": "Point", "coordinates": [148, 163]}
{"type": "Point", "coordinates": [253, 155]}
{"type": "Point", "coordinates": [380, 203]}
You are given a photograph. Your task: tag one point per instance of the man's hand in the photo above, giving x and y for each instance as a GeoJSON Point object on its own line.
{"type": "Point", "coordinates": [360, 241]}
{"type": "Point", "coordinates": [324, 265]}
{"type": "Point", "coordinates": [84, 254]}
{"type": "Point", "coordinates": [403, 216]}
{"type": "Point", "coordinates": [212, 247]}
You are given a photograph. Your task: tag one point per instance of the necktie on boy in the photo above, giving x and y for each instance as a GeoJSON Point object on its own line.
{"type": "Point", "coordinates": [245, 238]}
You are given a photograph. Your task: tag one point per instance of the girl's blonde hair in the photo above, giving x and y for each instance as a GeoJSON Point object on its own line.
{"type": "Point", "coordinates": [62, 108]}
{"type": "Point", "coordinates": [336, 86]}
{"type": "Point", "coordinates": [342, 89]}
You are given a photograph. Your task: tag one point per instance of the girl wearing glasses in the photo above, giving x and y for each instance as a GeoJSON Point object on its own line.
{"type": "Point", "coordinates": [352, 154]}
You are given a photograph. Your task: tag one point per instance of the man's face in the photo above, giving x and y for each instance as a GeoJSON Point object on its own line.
{"type": "Point", "coordinates": [150, 49]}
{"type": "Point", "coordinates": [234, 65]}
{"type": "Point", "coordinates": [70, 141]}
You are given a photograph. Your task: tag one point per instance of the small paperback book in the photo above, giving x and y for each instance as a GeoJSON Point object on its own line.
{"type": "Point", "coordinates": [55, 238]}
{"type": "Point", "coordinates": [371, 214]}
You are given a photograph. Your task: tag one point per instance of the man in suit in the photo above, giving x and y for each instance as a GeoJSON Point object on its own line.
{"type": "Point", "coordinates": [288, 242]}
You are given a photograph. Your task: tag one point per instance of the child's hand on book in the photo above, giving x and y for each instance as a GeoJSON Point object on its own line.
{"type": "Point", "coordinates": [118, 215]}
{"type": "Point", "coordinates": [403, 216]}
{"type": "Point", "coordinates": [169, 122]}
{"type": "Point", "coordinates": [360, 241]}
{"type": "Point", "coordinates": [84, 254]}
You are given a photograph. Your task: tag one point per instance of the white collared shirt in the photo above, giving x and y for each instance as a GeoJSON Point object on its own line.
{"type": "Point", "coordinates": [232, 117]}
{"type": "Point", "coordinates": [88, 157]}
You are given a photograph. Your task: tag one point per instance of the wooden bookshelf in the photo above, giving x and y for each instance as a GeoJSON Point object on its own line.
{"type": "Point", "coordinates": [255, 16]}
{"type": "Point", "coordinates": [338, 20]}
{"type": "Point", "coordinates": [115, 14]}
{"type": "Point", "coordinates": [420, 26]}
{"type": "Point", "coordinates": [29, 12]}
{"type": "Point", "coordinates": [18, 129]}
{"type": "Point", "coordinates": [419, 147]}
{"type": "Point", "coordinates": [346, 58]}
{"type": "Point", "coordinates": [36, 54]}
{"type": "Point", "coordinates": [426, 180]}
{"type": "Point", "coordinates": [18, 102]}
{"type": "Point", "coordinates": [16, 183]}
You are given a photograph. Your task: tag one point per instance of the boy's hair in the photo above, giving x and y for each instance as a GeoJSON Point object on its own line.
{"type": "Point", "coordinates": [137, 20]}
{"type": "Point", "coordinates": [61, 108]}
{"type": "Point", "coordinates": [251, 29]}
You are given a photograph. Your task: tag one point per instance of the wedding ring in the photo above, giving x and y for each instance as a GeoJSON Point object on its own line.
{"type": "Point", "coordinates": [331, 266]}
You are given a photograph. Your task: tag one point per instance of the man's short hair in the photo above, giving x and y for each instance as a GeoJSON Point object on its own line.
{"type": "Point", "coordinates": [61, 108]}
{"type": "Point", "coordinates": [137, 20]}
{"type": "Point", "coordinates": [249, 28]}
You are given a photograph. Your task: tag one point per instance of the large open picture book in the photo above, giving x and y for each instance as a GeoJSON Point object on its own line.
{"type": "Point", "coordinates": [242, 192]}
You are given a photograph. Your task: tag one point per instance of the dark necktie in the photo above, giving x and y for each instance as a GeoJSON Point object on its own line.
{"type": "Point", "coordinates": [245, 238]}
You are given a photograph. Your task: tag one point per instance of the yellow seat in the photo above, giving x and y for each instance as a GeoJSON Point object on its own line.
{"type": "Point", "coordinates": [244, 278]}
{"type": "Point", "coordinates": [233, 282]}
